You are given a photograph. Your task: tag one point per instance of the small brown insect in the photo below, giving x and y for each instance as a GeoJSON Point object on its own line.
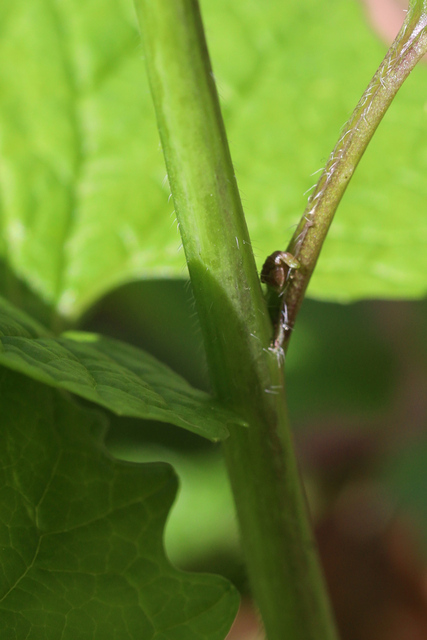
{"type": "Point", "coordinates": [277, 269]}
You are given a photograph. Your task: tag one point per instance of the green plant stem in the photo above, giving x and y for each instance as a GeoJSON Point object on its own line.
{"type": "Point", "coordinates": [408, 48]}
{"type": "Point", "coordinates": [276, 535]}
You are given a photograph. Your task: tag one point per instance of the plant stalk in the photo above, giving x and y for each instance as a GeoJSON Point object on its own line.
{"type": "Point", "coordinates": [276, 535]}
{"type": "Point", "coordinates": [407, 49]}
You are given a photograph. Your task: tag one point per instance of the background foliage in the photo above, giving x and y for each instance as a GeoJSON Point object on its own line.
{"type": "Point", "coordinates": [84, 208]}
{"type": "Point", "coordinates": [84, 201]}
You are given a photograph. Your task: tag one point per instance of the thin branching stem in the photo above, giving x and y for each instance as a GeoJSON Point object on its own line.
{"type": "Point", "coordinates": [408, 48]}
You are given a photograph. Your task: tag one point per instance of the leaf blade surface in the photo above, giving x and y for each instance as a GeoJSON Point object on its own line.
{"type": "Point", "coordinates": [119, 377]}
{"type": "Point", "coordinates": [82, 553]}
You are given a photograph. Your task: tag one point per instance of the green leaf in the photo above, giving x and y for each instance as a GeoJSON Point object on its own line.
{"type": "Point", "coordinates": [291, 74]}
{"type": "Point", "coordinates": [83, 206]}
{"type": "Point", "coordinates": [81, 534]}
{"type": "Point", "coordinates": [203, 519]}
{"type": "Point", "coordinates": [110, 373]}
{"type": "Point", "coordinates": [81, 194]}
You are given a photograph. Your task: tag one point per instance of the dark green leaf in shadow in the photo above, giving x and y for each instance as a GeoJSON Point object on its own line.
{"type": "Point", "coordinates": [117, 376]}
{"type": "Point", "coordinates": [81, 534]}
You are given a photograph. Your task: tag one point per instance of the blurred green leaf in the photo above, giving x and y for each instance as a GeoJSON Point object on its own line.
{"type": "Point", "coordinates": [81, 170]}
{"type": "Point", "coordinates": [341, 363]}
{"type": "Point", "coordinates": [112, 374]}
{"type": "Point", "coordinates": [83, 207]}
{"type": "Point", "coordinates": [81, 534]}
{"type": "Point", "coordinates": [290, 75]}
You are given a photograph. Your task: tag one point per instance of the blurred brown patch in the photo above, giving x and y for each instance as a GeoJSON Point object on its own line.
{"type": "Point", "coordinates": [376, 580]}
{"type": "Point", "coordinates": [246, 625]}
